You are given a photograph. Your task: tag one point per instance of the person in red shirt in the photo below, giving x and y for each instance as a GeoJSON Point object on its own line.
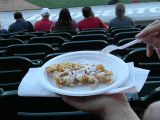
{"type": "Point", "coordinates": [44, 24]}
{"type": "Point", "coordinates": [90, 20]}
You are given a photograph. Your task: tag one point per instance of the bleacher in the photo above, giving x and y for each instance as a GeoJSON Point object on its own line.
{"type": "Point", "coordinates": [24, 50]}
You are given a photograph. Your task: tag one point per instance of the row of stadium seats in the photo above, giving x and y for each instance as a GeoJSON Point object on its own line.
{"type": "Point", "coordinates": [94, 34]}
{"type": "Point", "coordinates": [15, 66]}
{"type": "Point", "coordinates": [49, 108]}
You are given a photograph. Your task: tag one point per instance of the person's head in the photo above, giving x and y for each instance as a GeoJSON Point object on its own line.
{"type": "Point", "coordinates": [18, 16]}
{"type": "Point", "coordinates": [45, 12]}
{"type": "Point", "coordinates": [65, 15]}
{"type": "Point", "coordinates": [87, 12]}
{"type": "Point", "coordinates": [120, 9]}
{"type": "Point", "coordinates": [64, 21]}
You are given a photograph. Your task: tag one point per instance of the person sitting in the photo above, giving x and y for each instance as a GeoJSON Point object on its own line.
{"type": "Point", "coordinates": [3, 31]}
{"type": "Point", "coordinates": [90, 20]}
{"type": "Point", "coordinates": [44, 24]}
{"type": "Point", "coordinates": [120, 20]}
{"type": "Point", "coordinates": [20, 24]}
{"type": "Point", "coordinates": [65, 21]}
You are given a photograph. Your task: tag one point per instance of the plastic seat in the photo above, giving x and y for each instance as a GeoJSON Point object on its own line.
{"type": "Point", "coordinates": [148, 87]}
{"type": "Point", "coordinates": [23, 37]}
{"type": "Point", "coordinates": [125, 41]}
{"type": "Point", "coordinates": [90, 29]}
{"type": "Point", "coordinates": [152, 96]}
{"type": "Point", "coordinates": [129, 49]}
{"type": "Point", "coordinates": [38, 34]}
{"type": "Point", "coordinates": [54, 41]}
{"type": "Point", "coordinates": [5, 36]}
{"type": "Point", "coordinates": [40, 108]}
{"type": "Point", "coordinates": [84, 45]}
{"type": "Point", "coordinates": [84, 37]}
{"type": "Point", "coordinates": [4, 43]}
{"type": "Point", "coordinates": [116, 31]}
{"type": "Point", "coordinates": [123, 35]}
{"type": "Point", "coordinates": [70, 115]}
{"type": "Point", "coordinates": [50, 56]}
{"type": "Point", "coordinates": [72, 32]}
{"type": "Point", "coordinates": [12, 71]}
{"type": "Point", "coordinates": [140, 59]}
{"type": "Point", "coordinates": [13, 105]}
{"type": "Point", "coordinates": [35, 52]}
{"type": "Point", "coordinates": [92, 32]}
{"type": "Point", "coordinates": [64, 35]}
{"type": "Point", "coordinates": [113, 28]}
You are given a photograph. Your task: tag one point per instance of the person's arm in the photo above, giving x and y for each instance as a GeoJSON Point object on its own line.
{"type": "Point", "coordinates": [30, 26]}
{"type": "Point", "coordinates": [10, 29]}
{"type": "Point", "coordinates": [108, 107]}
{"type": "Point", "coordinates": [103, 25]}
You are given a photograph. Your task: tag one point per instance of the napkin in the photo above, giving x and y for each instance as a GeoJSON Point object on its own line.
{"type": "Point", "coordinates": [31, 86]}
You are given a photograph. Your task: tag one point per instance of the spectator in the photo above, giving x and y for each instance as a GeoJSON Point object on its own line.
{"type": "Point", "coordinates": [112, 2]}
{"type": "Point", "coordinates": [116, 106]}
{"type": "Point", "coordinates": [44, 24]}
{"type": "Point", "coordinates": [65, 21]}
{"type": "Point", "coordinates": [20, 24]}
{"type": "Point", "coordinates": [120, 20]}
{"type": "Point", "coordinates": [3, 31]}
{"type": "Point", "coordinates": [90, 21]}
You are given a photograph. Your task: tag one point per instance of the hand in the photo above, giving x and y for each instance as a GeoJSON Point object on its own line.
{"type": "Point", "coordinates": [104, 106]}
{"type": "Point", "coordinates": [151, 36]}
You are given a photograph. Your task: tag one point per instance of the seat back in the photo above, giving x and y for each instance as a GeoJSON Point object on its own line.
{"type": "Point", "coordinates": [89, 37]}
{"type": "Point", "coordinates": [140, 59]}
{"type": "Point", "coordinates": [36, 51]}
{"type": "Point", "coordinates": [38, 34]}
{"type": "Point", "coordinates": [54, 41]}
{"type": "Point", "coordinates": [148, 87]}
{"type": "Point", "coordinates": [133, 47]}
{"type": "Point", "coordinates": [72, 32]}
{"type": "Point", "coordinates": [113, 28]}
{"type": "Point", "coordinates": [84, 45]}
{"type": "Point", "coordinates": [23, 37]}
{"type": "Point", "coordinates": [12, 70]}
{"type": "Point", "coordinates": [123, 35]}
{"type": "Point", "coordinates": [4, 43]}
{"type": "Point", "coordinates": [5, 36]}
{"type": "Point", "coordinates": [13, 105]}
{"type": "Point", "coordinates": [92, 32]}
{"type": "Point", "coordinates": [50, 56]}
{"type": "Point", "coordinates": [116, 31]}
{"type": "Point", "coordinates": [64, 35]}
{"type": "Point", "coordinates": [152, 96]}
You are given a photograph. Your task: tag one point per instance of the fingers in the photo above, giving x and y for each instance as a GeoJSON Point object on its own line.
{"type": "Point", "coordinates": [153, 27]}
{"type": "Point", "coordinates": [150, 50]}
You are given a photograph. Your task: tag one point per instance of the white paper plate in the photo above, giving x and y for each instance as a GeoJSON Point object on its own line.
{"type": "Point", "coordinates": [116, 65]}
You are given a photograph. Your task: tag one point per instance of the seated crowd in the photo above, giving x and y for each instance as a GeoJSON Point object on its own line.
{"type": "Point", "coordinates": [65, 21]}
